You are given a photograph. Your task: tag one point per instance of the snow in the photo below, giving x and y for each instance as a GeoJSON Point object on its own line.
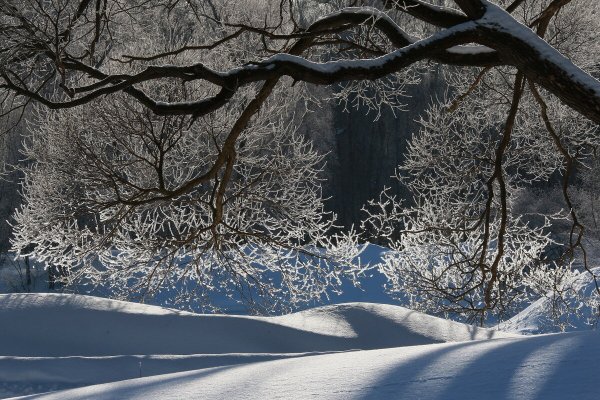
{"type": "Point", "coordinates": [494, 18]}
{"type": "Point", "coordinates": [537, 317]}
{"type": "Point", "coordinates": [397, 56]}
{"type": "Point", "coordinates": [107, 349]}
{"type": "Point", "coordinates": [370, 287]}
{"type": "Point", "coordinates": [82, 347]}
{"type": "Point", "coordinates": [58, 341]}
{"type": "Point", "coordinates": [547, 367]}
{"type": "Point", "coordinates": [88, 347]}
{"type": "Point", "coordinates": [89, 326]}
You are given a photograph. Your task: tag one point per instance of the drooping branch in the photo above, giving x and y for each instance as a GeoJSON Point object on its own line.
{"type": "Point", "coordinates": [411, 50]}
{"type": "Point", "coordinates": [503, 39]}
{"type": "Point", "coordinates": [196, 210]}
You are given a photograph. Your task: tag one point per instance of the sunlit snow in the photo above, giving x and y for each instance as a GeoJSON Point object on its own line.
{"type": "Point", "coordinates": [86, 347]}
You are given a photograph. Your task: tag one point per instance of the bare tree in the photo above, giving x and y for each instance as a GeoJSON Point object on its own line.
{"type": "Point", "coordinates": [463, 246]}
{"type": "Point", "coordinates": [207, 87]}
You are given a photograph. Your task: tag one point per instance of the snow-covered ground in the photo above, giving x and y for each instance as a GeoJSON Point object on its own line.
{"type": "Point", "coordinates": [89, 347]}
{"type": "Point", "coordinates": [108, 349]}
{"type": "Point", "coordinates": [559, 366]}
{"type": "Point", "coordinates": [579, 313]}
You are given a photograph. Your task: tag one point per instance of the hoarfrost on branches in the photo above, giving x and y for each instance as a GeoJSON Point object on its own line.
{"type": "Point", "coordinates": [165, 141]}
{"type": "Point", "coordinates": [464, 245]}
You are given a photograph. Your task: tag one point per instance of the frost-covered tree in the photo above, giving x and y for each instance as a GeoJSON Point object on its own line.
{"type": "Point", "coordinates": [466, 245]}
{"type": "Point", "coordinates": [120, 196]}
{"type": "Point", "coordinates": [174, 140]}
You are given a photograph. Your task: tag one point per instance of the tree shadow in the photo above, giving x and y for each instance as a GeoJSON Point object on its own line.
{"type": "Point", "coordinates": [528, 368]}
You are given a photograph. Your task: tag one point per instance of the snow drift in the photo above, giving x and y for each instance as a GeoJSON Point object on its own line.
{"type": "Point", "coordinates": [58, 341]}
{"type": "Point", "coordinates": [55, 325]}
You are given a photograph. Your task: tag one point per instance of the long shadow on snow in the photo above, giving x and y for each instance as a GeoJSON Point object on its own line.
{"type": "Point", "coordinates": [548, 363]}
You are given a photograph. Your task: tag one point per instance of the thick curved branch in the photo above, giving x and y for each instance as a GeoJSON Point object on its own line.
{"type": "Point", "coordinates": [540, 62]}
{"type": "Point", "coordinates": [465, 56]}
{"type": "Point", "coordinates": [412, 50]}
{"type": "Point", "coordinates": [512, 43]}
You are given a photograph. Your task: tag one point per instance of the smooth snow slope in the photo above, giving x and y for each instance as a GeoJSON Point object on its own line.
{"type": "Point", "coordinates": [560, 366]}
{"type": "Point", "coordinates": [58, 325]}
